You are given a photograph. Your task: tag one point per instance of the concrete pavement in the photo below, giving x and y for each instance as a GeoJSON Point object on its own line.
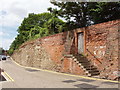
{"type": "Point", "coordinates": [32, 78]}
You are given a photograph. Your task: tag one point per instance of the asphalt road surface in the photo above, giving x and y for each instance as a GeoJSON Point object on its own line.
{"type": "Point", "coordinates": [31, 78]}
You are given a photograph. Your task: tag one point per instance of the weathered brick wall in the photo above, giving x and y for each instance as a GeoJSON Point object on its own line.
{"type": "Point", "coordinates": [101, 48]}
{"type": "Point", "coordinates": [111, 54]}
{"type": "Point", "coordinates": [32, 54]}
{"type": "Point", "coordinates": [119, 49]}
{"type": "Point", "coordinates": [70, 66]}
{"type": "Point", "coordinates": [54, 46]}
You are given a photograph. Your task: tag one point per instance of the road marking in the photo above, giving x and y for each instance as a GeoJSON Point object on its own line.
{"type": "Point", "coordinates": [6, 75]}
{"type": "Point", "coordinates": [66, 74]}
{"type": "Point", "coordinates": [6, 78]}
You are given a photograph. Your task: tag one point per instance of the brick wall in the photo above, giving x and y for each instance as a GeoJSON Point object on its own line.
{"type": "Point", "coordinates": [100, 47]}
{"type": "Point", "coordinates": [70, 66]}
{"type": "Point", "coordinates": [54, 46]}
{"type": "Point", "coordinates": [32, 54]}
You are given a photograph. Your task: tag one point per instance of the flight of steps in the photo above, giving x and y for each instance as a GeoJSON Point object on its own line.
{"type": "Point", "coordinates": [85, 64]}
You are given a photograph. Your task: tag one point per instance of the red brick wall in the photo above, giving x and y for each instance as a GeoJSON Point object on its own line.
{"type": "Point", "coordinates": [70, 66]}
{"type": "Point", "coordinates": [101, 48]}
{"type": "Point", "coordinates": [54, 46]}
{"type": "Point", "coordinates": [102, 45]}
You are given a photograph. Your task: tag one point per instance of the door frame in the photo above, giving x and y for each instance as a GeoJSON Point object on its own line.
{"type": "Point", "coordinates": [84, 38]}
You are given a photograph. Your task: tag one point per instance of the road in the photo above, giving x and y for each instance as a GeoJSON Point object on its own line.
{"type": "Point", "coordinates": [31, 78]}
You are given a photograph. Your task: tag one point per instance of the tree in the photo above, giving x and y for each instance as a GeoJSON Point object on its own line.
{"type": "Point", "coordinates": [35, 23]}
{"type": "Point", "coordinates": [1, 51]}
{"type": "Point", "coordinates": [38, 32]}
{"type": "Point", "coordinates": [32, 21]}
{"type": "Point", "coordinates": [104, 11]}
{"type": "Point", "coordinates": [75, 13]}
{"type": "Point", "coordinates": [36, 26]}
{"type": "Point", "coordinates": [81, 14]}
{"type": "Point", "coordinates": [55, 25]}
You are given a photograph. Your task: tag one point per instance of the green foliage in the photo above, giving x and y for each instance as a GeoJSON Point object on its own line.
{"type": "Point", "coordinates": [1, 51]}
{"type": "Point", "coordinates": [81, 14]}
{"type": "Point", "coordinates": [10, 52]}
{"type": "Point", "coordinates": [34, 31]}
{"type": "Point", "coordinates": [36, 26]}
{"type": "Point", "coordinates": [104, 11]}
{"type": "Point", "coordinates": [76, 14]}
{"type": "Point", "coordinates": [44, 32]}
{"type": "Point", "coordinates": [54, 25]}
{"type": "Point", "coordinates": [38, 32]}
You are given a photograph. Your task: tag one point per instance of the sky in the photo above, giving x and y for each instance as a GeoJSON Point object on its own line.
{"type": "Point", "coordinates": [12, 13]}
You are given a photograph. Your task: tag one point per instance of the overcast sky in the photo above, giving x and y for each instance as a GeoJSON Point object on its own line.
{"type": "Point", "coordinates": [12, 12]}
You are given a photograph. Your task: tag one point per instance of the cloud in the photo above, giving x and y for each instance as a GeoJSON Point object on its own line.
{"type": "Point", "coordinates": [7, 35]}
{"type": "Point", "coordinates": [6, 43]}
{"type": "Point", "coordinates": [3, 34]}
{"type": "Point", "coordinates": [10, 20]}
{"type": "Point", "coordinates": [2, 12]}
{"type": "Point", "coordinates": [20, 12]}
{"type": "Point", "coordinates": [12, 13]}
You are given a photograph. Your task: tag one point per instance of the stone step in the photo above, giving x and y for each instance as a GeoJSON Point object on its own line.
{"type": "Point", "coordinates": [90, 69]}
{"type": "Point", "coordinates": [95, 74]}
{"type": "Point", "coordinates": [83, 61]}
{"type": "Point", "coordinates": [93, 71]}
{"type": "Point", "coordinates": [93, 68]}
{"type": "Point", "coordinates": [86, 65]}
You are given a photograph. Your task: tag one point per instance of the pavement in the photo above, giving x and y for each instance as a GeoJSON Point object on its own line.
{"type": "Point", "coordinates": [21, 77]}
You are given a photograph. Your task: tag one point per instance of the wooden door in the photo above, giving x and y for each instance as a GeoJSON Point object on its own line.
{"type": "Point", "coordinates": [80, 43]}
